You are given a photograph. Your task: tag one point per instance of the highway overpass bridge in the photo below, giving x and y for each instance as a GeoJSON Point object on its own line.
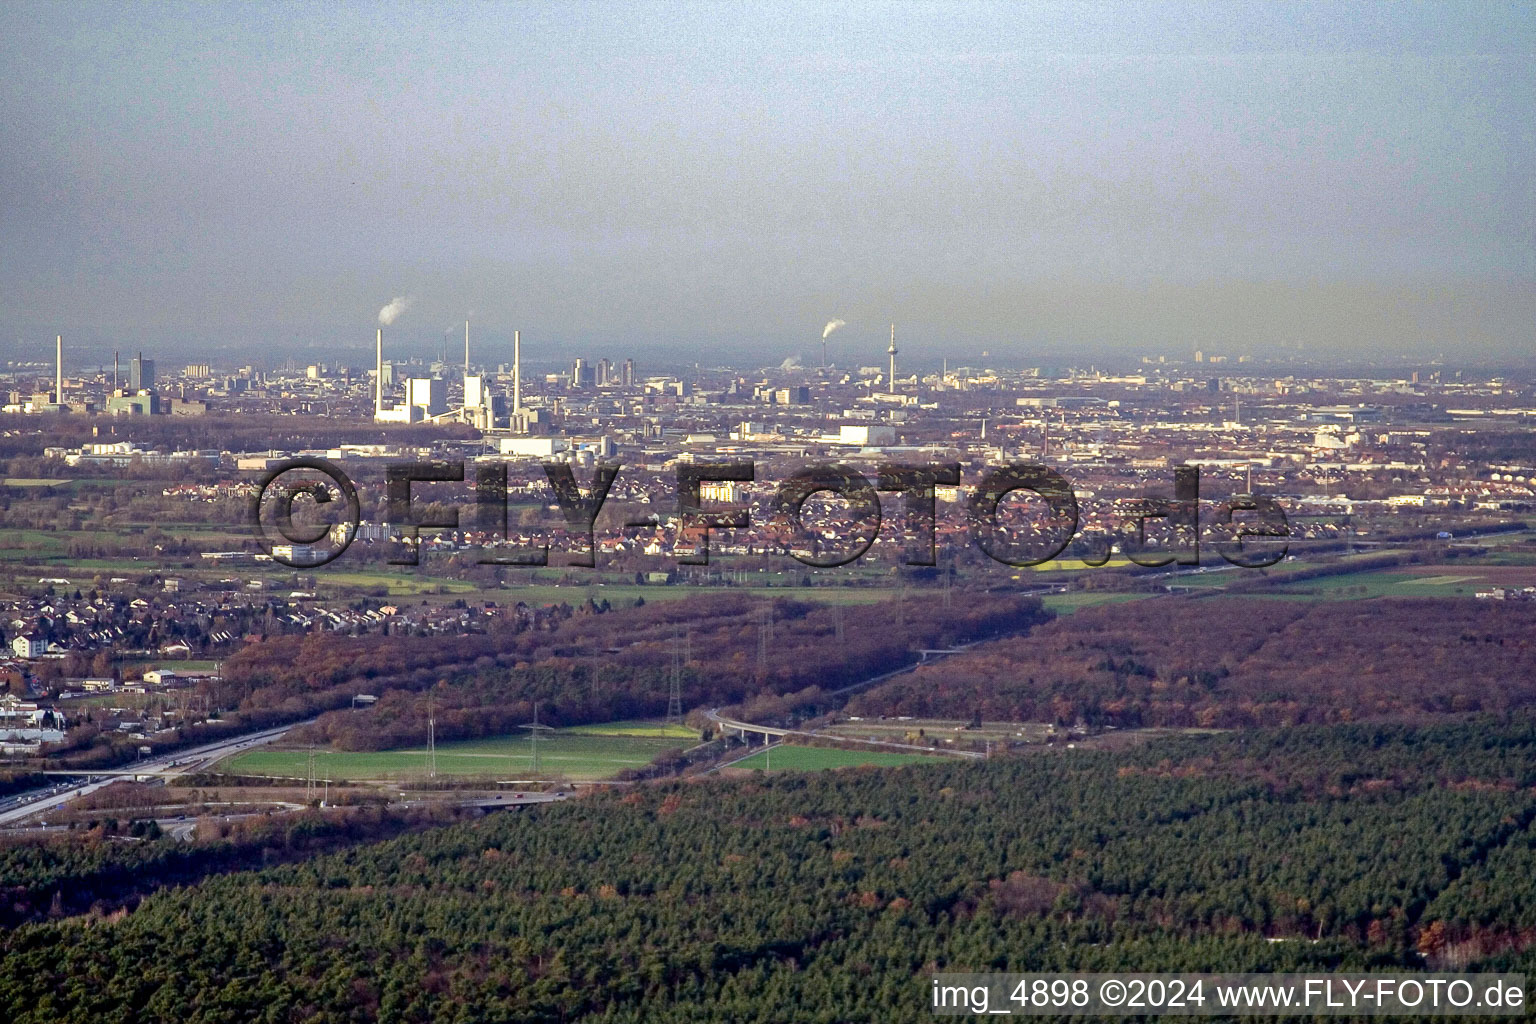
{"type": "Point", "coordinates": [769, 733]}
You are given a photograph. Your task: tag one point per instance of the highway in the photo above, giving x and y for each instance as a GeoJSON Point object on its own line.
{"type": "Point", "coordinates": [766, 731]}
{"type": "Point", "coordinates": [35, 802]}
{"type": "Point", "coordinates": [731, 725]}
{"type": "Point", "coordinates": [180, 762]}
{"type": "Point", "coordinates": [183, 827]}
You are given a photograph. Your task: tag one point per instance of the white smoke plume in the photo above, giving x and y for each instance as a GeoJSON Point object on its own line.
{"type": "Point", "coordinates": [832, 325]}
{"type": "Point", "coordinates": [397, 305]}
{"type": "Point", "coordinates": [792, 363]}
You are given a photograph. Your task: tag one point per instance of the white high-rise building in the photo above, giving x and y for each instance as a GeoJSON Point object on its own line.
{"type": "Point", "coordinates": [475, 393]}
{"type": "Point", "coordinates": [430, 394]}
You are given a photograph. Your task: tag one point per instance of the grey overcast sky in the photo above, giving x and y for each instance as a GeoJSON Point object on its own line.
{"type": "Point", "coordinates": [623, 178]}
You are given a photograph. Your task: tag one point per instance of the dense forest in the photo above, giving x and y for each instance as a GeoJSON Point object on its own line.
{"type": "Point", "coordinates": [599, 667]}
{"type": "Point", "coordinates": [1236, 662]}
{"type": "Point", "coordinates": [105, 868]}
{"type": "Point", "coordinates": [830, 897]}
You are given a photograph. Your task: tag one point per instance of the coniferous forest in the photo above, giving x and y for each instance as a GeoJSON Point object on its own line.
{"type": "Point", "coordinates": [830, 897]}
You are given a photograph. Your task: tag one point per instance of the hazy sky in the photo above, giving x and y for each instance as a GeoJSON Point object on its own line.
{"type": "Point", "coordinates": [617, 179]}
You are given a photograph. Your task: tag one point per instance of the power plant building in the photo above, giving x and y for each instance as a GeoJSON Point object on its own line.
{"type": "Point", "coordinates": [141, 374]}
{"type": "Point", "coordinates": [475, 394]}
{"type": "Point", "coordinates": [430, 394]}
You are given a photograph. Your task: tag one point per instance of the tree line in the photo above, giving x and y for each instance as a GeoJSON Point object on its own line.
{"type": "Point", "coordinates": [724, 648]}
{"type": "Point", "coordinates": [1236, 663]}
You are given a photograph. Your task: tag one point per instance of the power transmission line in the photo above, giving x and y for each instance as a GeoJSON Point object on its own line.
{"type": "Point", "coordinates": [675, 691]}
{"type": "Point", "coordinates": [534, 737]}
{"type": "Point", "coordinates": [431, 740]}
{"type": "Point", "coordinates": [534, 731]}
{"type": "Point", "coordinates": [838, 635]}
{"type": "Point", "coordinates": [764, 637]}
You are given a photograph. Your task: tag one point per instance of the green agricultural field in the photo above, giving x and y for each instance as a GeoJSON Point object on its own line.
{"type": "Point", "coordinates": [1066, 604]}
{"type": "Point", "coordinates": [563, 755]}
{"type": "Point", "coordinates": [789, 758]}
{"type": "Point", "coordinates": [31, 545]}
{"type": "Point", "coordinates": [137, 701]}
{"type": "Point", "coordinates": [1507, 556]}
{"type": "Point", "coordinates": [1392, 582]}
{"type": "Point", "coordinates": [1076, 565]}
{"type": "Point", "coordinates": [623, 594]}
{"type": "Point", "coordinates": [619, 595]}
{"type": "Point", "coordinates": [635, 727]}
{"type": "Point", "coordinates": [403, 582]}
{"type": "Point", "coordinates": [406, 583]}
{"type": "Point", "coordinates": [895, 730]}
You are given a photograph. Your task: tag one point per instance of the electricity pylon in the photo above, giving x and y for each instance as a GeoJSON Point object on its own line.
{"type": "Point", "coordinates": [675, 690]}
{"type": "Point", "coordinates": [431, 740]}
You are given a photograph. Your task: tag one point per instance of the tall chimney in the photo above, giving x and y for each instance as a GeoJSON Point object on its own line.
{"type": "Point", "coordinates": [114, 371]}
{"type": "Point", "coordinates": [517, 373]}
{"type": "Point", "coordinates": [58, 370]}
{"type": "Point", "coordinates": [378, 373]}
{"type": "Point", "coordinates": [466, 348]}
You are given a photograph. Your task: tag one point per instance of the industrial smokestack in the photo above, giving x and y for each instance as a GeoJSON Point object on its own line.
{"type": "Point", "coordinates": [378, 373]}
{"type": "Point", "coordinates": [58, 370]}
{"type": "Point", "coordinates": [114, 371]}
{"type": "Point", "coordinates": [832, 325]}
{"type": "Point", "coordinates": [517, 373]}
{"type": "Point", "coordinates": [466, 347]}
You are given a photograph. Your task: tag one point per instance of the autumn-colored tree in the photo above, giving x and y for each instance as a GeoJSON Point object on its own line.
{"type": "Point", "coordinates": [1432, 939]}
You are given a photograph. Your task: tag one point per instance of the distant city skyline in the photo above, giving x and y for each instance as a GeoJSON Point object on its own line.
{"type": "Point", "coordinates": [654, 181]}
{"type": "Point", "coordinates": [494, 349]}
